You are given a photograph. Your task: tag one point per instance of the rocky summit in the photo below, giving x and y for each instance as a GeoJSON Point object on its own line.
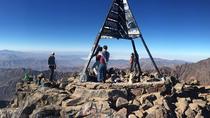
{"type": "Point", "coordinates": [69, 98]}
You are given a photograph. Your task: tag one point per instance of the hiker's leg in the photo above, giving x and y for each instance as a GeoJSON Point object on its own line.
{"type": "Point", "coordinates": [104, 73]}
{"type": "Point", "coordinates": [131, 68]}
{"type": "Point", "coordinates": [51, 73]}
{"type": "Point", "coordinates": [99, 73]}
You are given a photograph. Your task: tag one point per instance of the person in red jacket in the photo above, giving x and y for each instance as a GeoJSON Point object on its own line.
{"type": "Point", "coordinates": [103, 65]}
{"type": "Point", "coordinates": [97, 63]}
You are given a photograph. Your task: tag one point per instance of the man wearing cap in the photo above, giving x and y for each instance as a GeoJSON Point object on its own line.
{"type": "Point", "coordinates": [52, 65]}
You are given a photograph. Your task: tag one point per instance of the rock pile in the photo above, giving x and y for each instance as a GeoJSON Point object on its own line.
{"type": "Point", "coordinates": [146, 99]}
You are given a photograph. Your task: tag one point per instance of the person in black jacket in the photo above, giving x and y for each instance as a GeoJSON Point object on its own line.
{"type": "Point", "coordinates": [52, 65]}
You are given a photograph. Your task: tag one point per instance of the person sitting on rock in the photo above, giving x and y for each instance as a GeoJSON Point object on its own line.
{"type": "Point", "coordinates": [27, 78]}
{"type": "Point", "coordinates": [103, 65]}
{"type": "Point", "coordinates": [52, 65]}
{"type": "Point", "coordinates": [96, 64]}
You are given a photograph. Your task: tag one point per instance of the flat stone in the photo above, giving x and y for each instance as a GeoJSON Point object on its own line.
{"type": "Point", "coordinates": [135, 102]}
{"type": "Point", "coordinates": [122, 113]}
{"type": "Point", "coordinates": [181, 105]}
{"type": "Point", "coordinates": [47, 111]}
{"type": "Point", "coordinates": [199, 115]}
{"type": "Point", "coordinates": [190, 113]}
{"type": "Point", "coordinates": [121, 102]}
{"type": "Point", "coordinates": [156, 112]}
{"type": "Point", "coordinates": [150, 97]}
{"type": "Point", "coordinates": [73, 102]}
{"type": "Point", "coordinates": [132, 116]}
{"type": "Point", "coordinates": [139, 113]}
{"type": "Point", "coordinates": [200, 102]}
{"type": "Point", "coordinates": [179, 87]}
{"type": "Point", "coordinates": [100, 94]}
{"type": "Point", "coordinates": [147, 104]}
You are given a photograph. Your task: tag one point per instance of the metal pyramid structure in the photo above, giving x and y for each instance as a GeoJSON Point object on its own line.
{"type": "Point", "coordinates": [119, 24]}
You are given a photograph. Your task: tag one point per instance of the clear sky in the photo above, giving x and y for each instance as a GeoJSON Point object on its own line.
{"type": "Point", "coordinates": [173, 29]}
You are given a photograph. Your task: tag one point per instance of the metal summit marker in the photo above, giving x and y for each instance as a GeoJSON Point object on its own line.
{"type": "Point", "coordinates": [119, 24]}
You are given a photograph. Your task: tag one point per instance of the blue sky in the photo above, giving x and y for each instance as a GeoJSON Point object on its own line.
{"type": "Point", "coordinates": [173, 29]}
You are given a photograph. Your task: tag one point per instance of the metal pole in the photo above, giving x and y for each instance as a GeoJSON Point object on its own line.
{"type": "Point", "coordinates": [82, 76]}
{"type": "Point", "coordinates": [137, 56]}
{"type": "Point", "coordinates": [84, 71]}
{"type": "Point", "coordinates": [145, 45]}
{"type": "Point", "coordinates": [150, 55]}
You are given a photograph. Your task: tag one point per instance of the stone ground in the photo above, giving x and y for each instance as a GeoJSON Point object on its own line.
{"type": "Point", "coordinates": [146, 99]}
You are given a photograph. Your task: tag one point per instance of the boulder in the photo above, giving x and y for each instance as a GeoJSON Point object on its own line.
{"type": "Point", "coordinates": [63, 84]}
{"type": "Point", "coordinates": [100, 94]}
{"type": "Point", "coordinates": [166, 105]}
{"type": "Point", "coordinates": [73, 102]}
{"type": "Point", "coordinates": [135, 102]}
{"type": "Point", "coordinates": [190, 113]}
{"type": "Point", "coordinates": [121, 102]}
{"type": "Point", "coordinates": [50, 111]}
{"type": "Point", "coordinates": [137, 92]}
{"type": "Point", "coordinates": [102, 105]}
{"type": "Point", "coordinates": [87, 109]}
{"type": "Point", "coordinates": [194, 106]}
{"type": "Point", "coordinates": [92, 108]}
{"type": "Point", "coordinates": [179, 87]}
{"type": "Point", "coordinates": [70, 88]}
{"type": "Point", "coordinates": [8, 113]}
{"type": "Point", "coordinates": [139, 113]}
{"type": "Point", "coordinates": [92, 85]}
{"type": "Point", "coordinates": [208, 98]}
{"type": "Point", "coordinates": [61, 97]}
{"type": "Point", "coordinates": [147, 104]}
{"type": "Point", "coordinates": [199, 115]}
{"type": "Point", "coordinates": [132, 116]}
{"type": "Point", "coordinates": [157, 112]}
{"type": "Point", "coordinates": [150, 97]}
{"type": "Point", "coordinates": [189, 91]}
{"type": "Point", "coordinates": [122, 113]}
{"type": "Point", "coordinates": [194, 82]}
{"type": "Point", "coordinates": [200, 102]}
{"type": "Point", "coordinates": [181, 105]}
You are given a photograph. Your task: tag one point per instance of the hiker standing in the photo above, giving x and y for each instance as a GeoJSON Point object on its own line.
{"type": "Point", "coordinates": [133, 63]}
{"type": "Point", "coordinates": [103, 64]}
{"type": "Point", "coordinates": [133, 67]}
{"type": "Point", "coordinates": [98, 56]}
{"type": "Point", "coordinates": [97, 51]}
{"type": "Point", "coordinates": [52, 65]}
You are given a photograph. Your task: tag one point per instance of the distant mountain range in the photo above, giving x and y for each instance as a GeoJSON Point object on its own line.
{"type": "Point", "coordinates": [9, 78]}
{"type": "Point", "coordinates": [12, 64]}
{"type": "Point", "coordinates": [38, 61]}
{"type": "Point", "coordinates": [69, 62]}
{"type": "Point", "coordinates": [196, 71]}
